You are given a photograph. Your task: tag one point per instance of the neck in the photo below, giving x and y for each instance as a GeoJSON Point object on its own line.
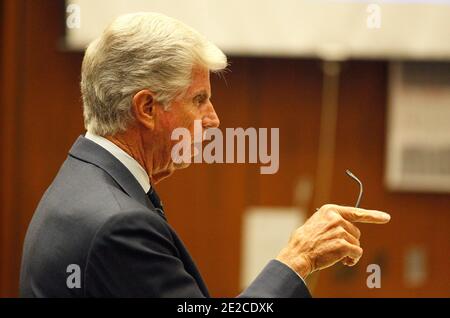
{"type": "Point", "coordinates": [132, 143]}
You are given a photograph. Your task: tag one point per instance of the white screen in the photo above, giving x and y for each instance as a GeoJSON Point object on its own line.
{"type": "Point", "coordinates": [311, 28]}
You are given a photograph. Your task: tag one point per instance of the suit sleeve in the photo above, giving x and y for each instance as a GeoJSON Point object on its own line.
{"type": "Point", "coordinates": [277, 281]}
{"type": "Point", "coordinates": [133, 255]}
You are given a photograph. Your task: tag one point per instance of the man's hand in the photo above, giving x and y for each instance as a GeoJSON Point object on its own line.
{"type": "Point", "coordinates": [328, 237]}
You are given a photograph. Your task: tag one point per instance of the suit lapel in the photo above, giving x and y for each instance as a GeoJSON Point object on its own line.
{"type": "Point", "coordinates": [189, 263]}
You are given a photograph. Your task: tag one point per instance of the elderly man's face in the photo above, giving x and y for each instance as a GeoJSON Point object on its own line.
{"type": "Point", "coordinates": [195, 104]}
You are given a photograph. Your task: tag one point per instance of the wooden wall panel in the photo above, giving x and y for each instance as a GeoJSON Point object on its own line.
{"type": "Point", "coordinates": [10, 80]}
{"type": "Point", "coordinates": [42, 117]}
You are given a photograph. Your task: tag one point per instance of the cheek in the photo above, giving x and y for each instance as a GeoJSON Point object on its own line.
{"type": "Point", "coordinates": [163, 134]}
{"type": "Point", "coordinates": [181, 115]}
{"type": "Point", "coordinates": [188, 118]}
{"type": "Point", "coordinates": [187, 121]}
{"type": "Point", "coordinates": [172, 123]}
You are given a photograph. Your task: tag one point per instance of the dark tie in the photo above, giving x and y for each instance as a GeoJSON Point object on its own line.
{"type": "Point", "coordinates": [154, 198]}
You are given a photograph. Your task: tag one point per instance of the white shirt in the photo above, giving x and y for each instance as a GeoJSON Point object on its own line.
{"type": "Point", "coordinates": [135, 168]}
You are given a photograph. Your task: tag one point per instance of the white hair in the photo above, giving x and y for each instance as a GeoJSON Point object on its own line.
{"type": "Point", "coordinates": [140, 51]}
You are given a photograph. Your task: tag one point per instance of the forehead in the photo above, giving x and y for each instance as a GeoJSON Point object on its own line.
{"type": "Point", "coordinates": [200, 81]}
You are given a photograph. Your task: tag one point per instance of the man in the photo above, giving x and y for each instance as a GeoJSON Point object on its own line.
{"type": "Point", "coordinates": [100, 229]}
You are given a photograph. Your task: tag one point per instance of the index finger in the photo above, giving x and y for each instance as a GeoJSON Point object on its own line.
{"type": "Point", "coordinates": [362, 215]}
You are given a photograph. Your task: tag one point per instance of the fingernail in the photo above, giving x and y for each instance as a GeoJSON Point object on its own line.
{"type": "Point", "coordinates": [386, 216]}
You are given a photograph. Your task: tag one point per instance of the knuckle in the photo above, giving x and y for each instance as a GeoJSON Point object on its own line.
{"type": "Point", "coordinates": [328, 208]}
{"type": "Point", "coordinates": [342, 247]}
{"type": "Point", "coordinates": [359, 251]}
{"type": "Point", "coordinates": [341, 232]}
{"type": "Point", "coordinates": [354, 230]}
{"type": "Point", "coordinates": [342, 243]}
{"type": "Point", "coordinates": [334, 218]}
{"type": "Point", "coordinates": [358, 213]}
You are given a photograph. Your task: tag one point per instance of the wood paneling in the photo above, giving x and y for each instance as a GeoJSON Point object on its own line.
{"type": "Point", "coordinates": [41, 117]}
{"type": "Point", "coordinates": [12, 54]}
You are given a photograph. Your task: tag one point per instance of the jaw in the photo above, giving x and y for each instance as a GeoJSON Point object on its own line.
{"type": "Point", "coordinates": [167, 171]}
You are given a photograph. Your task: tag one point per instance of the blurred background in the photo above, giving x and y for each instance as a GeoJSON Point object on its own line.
{"type": "Point", "coordinates": [359, 85]}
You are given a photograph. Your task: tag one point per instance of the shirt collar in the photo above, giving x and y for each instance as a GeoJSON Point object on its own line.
{"type": "Point", "coordinates": [129, 162]}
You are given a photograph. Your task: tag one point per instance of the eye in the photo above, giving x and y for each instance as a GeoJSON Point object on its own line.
{"type": "Point", "coordinates": [200, 99]}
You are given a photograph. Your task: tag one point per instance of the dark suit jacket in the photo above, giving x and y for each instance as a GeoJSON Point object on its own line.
{"type": "Point", "coordinates": [96, 215]}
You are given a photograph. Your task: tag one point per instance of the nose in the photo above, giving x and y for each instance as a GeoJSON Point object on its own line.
{"type": "Point", "coordinates": [211, 120]}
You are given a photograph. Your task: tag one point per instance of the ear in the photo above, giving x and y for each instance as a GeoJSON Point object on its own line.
{"type": "Point", "coordinates": [143, 104]}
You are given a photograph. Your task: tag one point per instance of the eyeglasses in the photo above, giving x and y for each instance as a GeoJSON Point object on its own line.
{"type": "Point", "coordinates": [351, 175]}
